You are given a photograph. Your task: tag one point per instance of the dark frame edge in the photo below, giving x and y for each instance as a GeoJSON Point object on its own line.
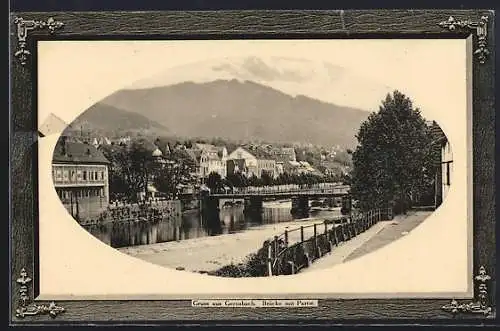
{"type": "Point", "coordinates": [24, 136]}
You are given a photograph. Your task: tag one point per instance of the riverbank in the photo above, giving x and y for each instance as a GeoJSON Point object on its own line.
{"type": "Point", "coordinates": [207, 254]}
{"type": "Point", "coordinates": [379, 235]}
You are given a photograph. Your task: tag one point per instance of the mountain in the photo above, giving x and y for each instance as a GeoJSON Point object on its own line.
{"type": "Point", "coordinates": [108, 120]}
{"type": "Point", "coordinates": [318, 79]}
{"type": "Point", "coordinates": [242, 110]}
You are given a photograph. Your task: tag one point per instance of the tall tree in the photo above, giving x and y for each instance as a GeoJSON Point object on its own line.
{"type": "Point", "coordinates": [131, 167]}
{"type": "Point", "coordinates": [142, 161]}
{"type": "Point", "coordinates": [179, 170]}
{"type": "Point", "coordinates": [389, 163]}
{"type": "Point", "coordinates": [214, 181]}
{"type": "Point", "coordinates": [266, 178]}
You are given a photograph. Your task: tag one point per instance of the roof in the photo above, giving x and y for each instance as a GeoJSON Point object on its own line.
{"type": "Point", "coordinates": [437, 133]}
{"type": "Point", "coordinates": [258, 152]}
{"type": "Point", "coordinates": [194, 154]}
{"type": "Point", "coordinates": [157, 152]}
{"type": "Point", "coordinates": [77, 152]}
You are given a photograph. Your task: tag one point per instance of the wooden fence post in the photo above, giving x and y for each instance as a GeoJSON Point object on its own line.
{"type": "Point", "coordinates": [269, 261]}
{"type": "Point", "coordinates": [301, 234]}
{"type": "Point", "coordinates": [326, 227]}
{"type": "Point", "coordinates": [276, 247]}
{"type": "Point", "coordinates": [286, 238]}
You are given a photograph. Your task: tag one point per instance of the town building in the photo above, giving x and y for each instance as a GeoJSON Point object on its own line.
{"type": "Point", "coordinates": [257, 160]}
{"type": "Point", "coordinates": [209, 158]}
{"type": "Point", "coordinates": [446, 167]}
{"type": "Point", "coordinates": [80, 176]}
{"type": "Point", "coordinates": [237, 166]}
{"type": "Point", "coordinates": [96, 142]}
{"type": "Point", "coordinates": [443, 162]}
{"type": "Point", "coordinates": [299, 167]}
{"type": "Point", "coordinates": [284, 154]}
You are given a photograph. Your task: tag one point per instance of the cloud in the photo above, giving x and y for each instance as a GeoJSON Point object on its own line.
{"type": "Point", "coordinates": [261, 70]}
{"type": "Point", "coordinates": [255, 68]}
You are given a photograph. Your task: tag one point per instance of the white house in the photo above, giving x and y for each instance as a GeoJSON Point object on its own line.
{"type": "Point", "coordinates": [257, 161]}
{"type": "Point", "coordinates": [212, 159]}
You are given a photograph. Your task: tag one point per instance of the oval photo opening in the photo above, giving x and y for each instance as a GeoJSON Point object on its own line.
{"type": "Point", "coordinates": [244, 169]}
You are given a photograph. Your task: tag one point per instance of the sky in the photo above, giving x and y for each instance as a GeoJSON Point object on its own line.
{"type": "Point", "coordinates": [357, 73]}
{"type": "Point", "coordinates": [347, 72]}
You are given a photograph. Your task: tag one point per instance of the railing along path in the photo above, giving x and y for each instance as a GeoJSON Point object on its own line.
{"type": "Point", "coordinates": [296, 249]}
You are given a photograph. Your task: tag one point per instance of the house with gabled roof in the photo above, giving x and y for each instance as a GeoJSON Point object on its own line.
{"type": "Point", "coordinates": [257, 160]}
{"type": "Point", "coordinates": [80, 177]}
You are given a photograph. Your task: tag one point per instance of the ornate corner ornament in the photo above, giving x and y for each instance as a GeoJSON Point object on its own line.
{"type": "Point", "coordinates": [24, 26]}
{"type": "Point", "coordinates": [25, 309]}
{"type": "Point", "coordinates": [481, 28]}
{"type": "Point", "coordinates": [481, 305]}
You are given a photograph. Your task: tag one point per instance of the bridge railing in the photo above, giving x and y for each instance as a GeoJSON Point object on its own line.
{"type": "Point", "coordinates": [296, 249]}
{"type": "Point", "coordinates": [313, 189]}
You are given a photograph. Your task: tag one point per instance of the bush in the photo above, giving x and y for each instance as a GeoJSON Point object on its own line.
{"type": "Point", "coordinates": [255, 265]}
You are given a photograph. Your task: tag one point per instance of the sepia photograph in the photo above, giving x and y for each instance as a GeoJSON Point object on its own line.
{"type": "Point", "coordinates": [252, 166]}
{"type": "Point", "coordinates": [173, 174]}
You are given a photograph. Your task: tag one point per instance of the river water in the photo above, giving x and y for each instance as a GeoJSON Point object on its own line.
{"type": "Point", "coordinates": [192, 225]}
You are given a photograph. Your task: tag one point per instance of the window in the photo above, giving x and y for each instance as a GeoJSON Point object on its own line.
{"type": "Point", "coordinates": [84, 175]}
{"type": "Point", "coordinates": [448, 179]}
{"type": "Point", "coordinates": [58, 174]}
{"type": "Point", "coordinates": [65, 175]}
{"type": "Point", "coordinates": [447, 167]}
{"type": "Point", "coordinates": [79, 175]}
{"type": "Point", "coordinates": [73, 175]}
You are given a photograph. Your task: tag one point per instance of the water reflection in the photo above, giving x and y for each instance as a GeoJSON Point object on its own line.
{"type": "Point", "coordinates": [192, 224]}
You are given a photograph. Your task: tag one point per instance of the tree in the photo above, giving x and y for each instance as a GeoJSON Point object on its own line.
{"type": "Point", "coordinates": [179, 170]}
{"type": "Point", "coordinates": [142, 161]}
{"type": "Point", "coordinates": [214, 181]}
{"type": "Point", "coordinates": [254, 181]}
{"type": "Point", "coordinates": [237, 179]}
{"type": "Point", "coordinates": [266, 178]}
{"type": "Point", "coordinates": [389, 161]}
{"type": "Point", "coordinates": [130, 168]}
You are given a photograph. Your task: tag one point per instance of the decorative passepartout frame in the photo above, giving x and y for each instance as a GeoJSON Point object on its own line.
{"type": "Point", "coordinates": [28, 28]}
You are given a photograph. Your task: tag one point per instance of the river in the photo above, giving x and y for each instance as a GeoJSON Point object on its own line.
{"type": "Point", "coordinates": [192, 225]}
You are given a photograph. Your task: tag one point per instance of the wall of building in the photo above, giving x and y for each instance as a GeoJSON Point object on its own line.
{"type": "Point", "coordinates": [268, 166]}
{"type": "Point", "coordinates": [85, 208]}
{"type": "Point", "coordinates": [82, 185]}
{"type": "Point", "coordinates": [210, 162]}
{"type": "Point", "coordinates": [446, 169]}
{"type": "Point", "coordinates": [241, 153]}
